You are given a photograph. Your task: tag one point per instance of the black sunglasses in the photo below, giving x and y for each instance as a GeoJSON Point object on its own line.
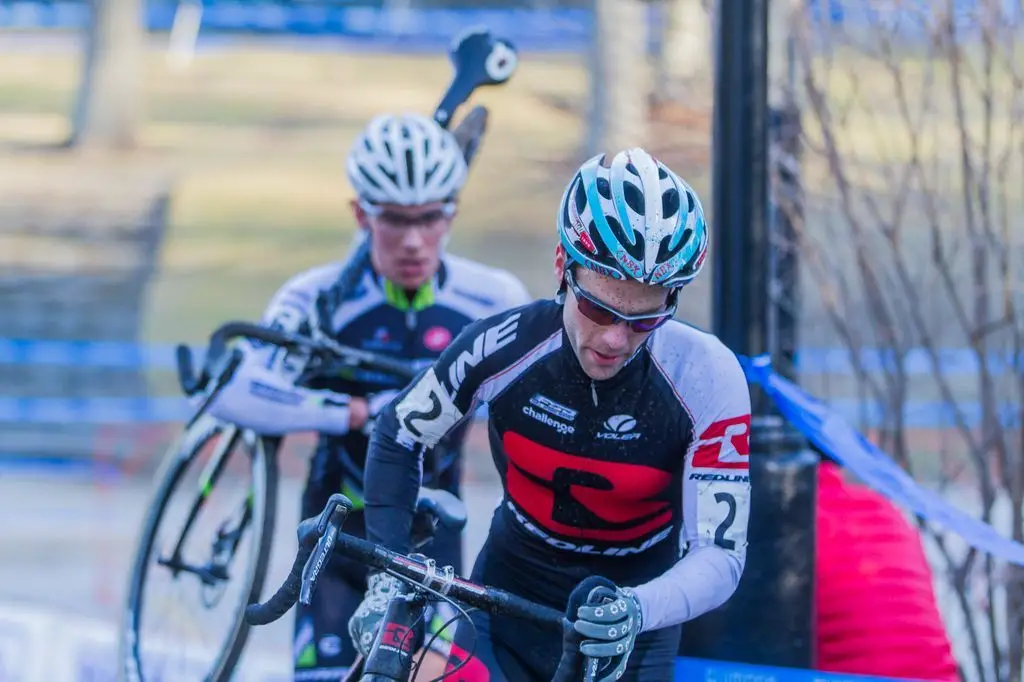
{"type": "Point", "coordinates": [603, 314]}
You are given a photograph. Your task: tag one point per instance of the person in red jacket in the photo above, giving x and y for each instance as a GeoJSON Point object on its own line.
{"type": "Point", "coordinates": [875, 602]}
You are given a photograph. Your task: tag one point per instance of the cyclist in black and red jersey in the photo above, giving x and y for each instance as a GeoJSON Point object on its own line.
{"type": "Point", "coordinates": [621, 436]}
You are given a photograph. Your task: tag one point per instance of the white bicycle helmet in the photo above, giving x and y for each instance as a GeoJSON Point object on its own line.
{"type": "Point", "coordinates": [407, 160]}
{"type": "Point", "coordinates": [634, 219]}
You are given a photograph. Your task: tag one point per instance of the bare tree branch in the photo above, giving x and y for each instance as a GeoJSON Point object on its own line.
{"type": "Point", "coordinates": [915, 145]}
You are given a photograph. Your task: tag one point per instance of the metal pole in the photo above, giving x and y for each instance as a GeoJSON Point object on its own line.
{"type": "Point", "coordinates": [769, 619]}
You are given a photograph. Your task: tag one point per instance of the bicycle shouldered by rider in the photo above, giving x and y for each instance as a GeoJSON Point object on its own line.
{"type": "Point", "coordinates": [621, 436]}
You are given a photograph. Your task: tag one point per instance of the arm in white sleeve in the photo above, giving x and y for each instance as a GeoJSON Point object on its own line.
{"type": "Point", "coordinates": [265, 401]}
{"type": "Point", "coordinates": [701, 581]}
{"type": "Point", "coordinates": [716, 504]}
{"type": "Point", "coordinates": [262, 395]}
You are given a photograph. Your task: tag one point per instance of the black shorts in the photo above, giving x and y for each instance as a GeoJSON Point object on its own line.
{"type": "Point", "coordinates": [499, 649]}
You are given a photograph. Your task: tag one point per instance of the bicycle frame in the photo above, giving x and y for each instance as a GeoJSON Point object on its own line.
{"type": "Point", "coordinates": [212, 573]}
{"type": "Point", "coordinates": [218, 368]}
{"type": "Point", "coordinates": [207, 480]}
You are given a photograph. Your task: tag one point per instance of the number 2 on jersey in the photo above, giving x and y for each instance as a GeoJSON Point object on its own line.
{"type": "Point", "coordinates": [727, 522]}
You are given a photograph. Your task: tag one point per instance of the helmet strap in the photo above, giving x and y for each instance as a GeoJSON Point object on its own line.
{"type": "Point", "coordinates": [563, 287]}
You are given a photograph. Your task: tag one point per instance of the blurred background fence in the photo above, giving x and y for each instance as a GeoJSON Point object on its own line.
{"type": "Point", "coordinates": [144, 203]}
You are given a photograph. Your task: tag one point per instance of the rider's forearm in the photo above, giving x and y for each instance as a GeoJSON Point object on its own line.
{"type": "Point", "coordinates": [266, 402]}
{"type": "Point", "coordinates": [391, 484]}
{"type": "Point", "coordinates": [702, 580]}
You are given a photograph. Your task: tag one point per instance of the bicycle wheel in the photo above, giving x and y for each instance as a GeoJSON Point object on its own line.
{"type": "Point", "coordinates": [254, 521]}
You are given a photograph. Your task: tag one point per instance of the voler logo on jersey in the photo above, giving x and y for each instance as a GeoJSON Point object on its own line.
{"type": "Point", "coordinates": [485, 344]}
{"type": "Point", "coordinates": [619, 427]}
{"type": "Point", "coordinates": [724, 445]}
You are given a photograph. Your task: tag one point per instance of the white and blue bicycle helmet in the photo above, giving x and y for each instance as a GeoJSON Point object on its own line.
{"type": "Point", "coordinates": [407, 160]}
{"type": "Point", "coordinates": [634, 219]}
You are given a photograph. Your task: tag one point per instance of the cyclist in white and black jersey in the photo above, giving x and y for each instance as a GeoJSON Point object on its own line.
{"type": "Point", "coordinates": [409, 300]}
{"type": "Point", "coordinates": [621, 436]}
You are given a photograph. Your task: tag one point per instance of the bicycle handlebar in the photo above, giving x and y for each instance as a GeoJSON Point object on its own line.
{"type": "Point", "coordinates": [311, 538]}
{"type": "Point", "coordinates": [319, 344]}
{"type": "Point", "coordinates": [320, 536]}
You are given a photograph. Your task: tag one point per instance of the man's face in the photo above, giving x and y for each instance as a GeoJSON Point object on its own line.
{"type": "Point", "coordinates": [603, 349]}
{"type": "Point", "coordinates": [405, 241]}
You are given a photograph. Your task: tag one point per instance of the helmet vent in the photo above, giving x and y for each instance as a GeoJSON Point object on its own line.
{"type": "Point", "coordinates": [670, 203]}
{"type": "Point", "coordinates": [634, 197]}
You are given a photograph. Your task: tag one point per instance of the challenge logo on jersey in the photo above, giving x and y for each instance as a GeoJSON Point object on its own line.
{"type": "Point", "coordinates": [724, 445]}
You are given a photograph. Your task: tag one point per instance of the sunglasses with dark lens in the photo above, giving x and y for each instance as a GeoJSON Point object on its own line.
{"type": "Point", "coordinates": [604, 315]}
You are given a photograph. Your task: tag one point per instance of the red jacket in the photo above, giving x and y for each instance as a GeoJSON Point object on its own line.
{"type": "Point", "coordinates": [876, 609]}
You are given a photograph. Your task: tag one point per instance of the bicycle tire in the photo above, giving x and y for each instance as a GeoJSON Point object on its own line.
{"type": "Point", "coordinates": [176, 462]}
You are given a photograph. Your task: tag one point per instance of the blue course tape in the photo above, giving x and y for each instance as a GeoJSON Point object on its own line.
{"type": "Point", "coordinates": [703, 670]}
{"type": "Point", "coordinates": [99, 354]}
{"type": "Point", "coordinates": [18, 410]}
{"type": "Point", "coordinates": [71, 467]}
{"type": "Point", "coordinates": [116, 355]}
{"type": "Point", "coordinates": [829, 431]}
{"type": "Point", "coordinates": [922, 414]}
{"type": "Point", "coordinates": [127, 355]}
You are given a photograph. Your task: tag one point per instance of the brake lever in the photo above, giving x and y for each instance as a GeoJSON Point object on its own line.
{"type": "Point", "coordinates": [187, 379]}
{"type": "Point", "coordinates": [224, 374]}
{"type": "Point", "coordinates": [328, 526]}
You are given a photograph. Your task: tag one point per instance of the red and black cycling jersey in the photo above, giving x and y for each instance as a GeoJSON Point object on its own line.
{"type": "Point", "coordinates": [617, 477]}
